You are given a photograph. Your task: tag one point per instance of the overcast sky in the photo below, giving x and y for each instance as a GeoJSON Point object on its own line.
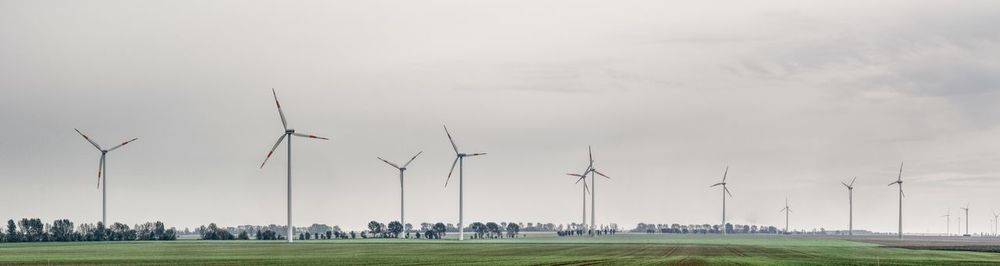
{"type": "Point", "coordinates": [795, 96]}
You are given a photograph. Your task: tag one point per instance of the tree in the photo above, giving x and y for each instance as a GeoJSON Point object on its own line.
{"type": "Point", "coordinates": [243, 236]}
{"type": "Point", "coordinates": [32, 230]}
{"type": "Point", "coordinates": [61, 230]}
{"type": "Point", "coordinates": [439, 229]}
{"type": "Point", "coordinates": [513, 229]}
{"type": "Point", "coordinates": [478, 228]}
{"type": "Point", "coordinates": [493, 229]}
{"type": "Point", "coordinates": [12, 232]}
{"type": "Point", "coordinates": [375, 227]}
{"type": "Point", "coordinates": [395, 229]}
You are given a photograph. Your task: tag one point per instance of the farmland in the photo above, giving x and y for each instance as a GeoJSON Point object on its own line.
{"type": "Point", "coordinates": [535, 249]}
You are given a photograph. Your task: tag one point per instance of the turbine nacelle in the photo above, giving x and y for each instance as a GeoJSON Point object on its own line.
{"type": "Point", "coordinates": [289, 131]}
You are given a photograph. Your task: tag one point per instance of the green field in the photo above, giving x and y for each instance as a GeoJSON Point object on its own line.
{"type": "Point", "coordinates": [536, 249]}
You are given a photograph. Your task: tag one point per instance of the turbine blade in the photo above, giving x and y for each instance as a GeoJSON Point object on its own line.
{"type": "Point", "coordinates": [586, 188]}
{"type": "Point", "coordinates": [390, 163]}
{"type": "Point", "coordinates": [727, 191]}
{"type": "Point", "coordinates": [453, 146]}
{"type": "Point", "coordinates": [725, 174]}
{"type": "Point", "coordinates": [272, 150]}
{"type": "Point", "coordinates": [845, 184]}
{"type": "Point", "coordinates": [88, 139]}
{"type": "Point", "coordinates": [590, 152]}
{"type": "Point", "coordinates": [452, 170]}
{"type": "Point", "coordinates": [475, 154]}
{"type": "Point", "coordinates": [309, 136]}
{"type": "Point", "coordinates": [100, 169]}
{"type": "Point", "coordinates": [902, 193]}
{"type": "Point", "coordinates": [123, 144]}
{"type": "Point", "coordinates": [900, 177]}
{"type": "Point", "coordinates": [411, 159]}
{"type": "Point", "coordinates": [852, 180]}
{"type": "Point", "coordinates": [582, 178]}
{"type": "Point", "coordinates": [716, 184]}
{"type": "Point", "coordinates": [599, 173]}
{"type": "Point", "coordinates": [576, 175]}
{"type": "Point", "coordinates": [284, 123]}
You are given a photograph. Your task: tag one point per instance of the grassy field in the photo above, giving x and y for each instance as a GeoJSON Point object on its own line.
{"type": "Point", "coordinates": [536, 249]}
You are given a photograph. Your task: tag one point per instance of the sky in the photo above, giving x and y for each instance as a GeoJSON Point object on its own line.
{"type": "Point", "coordinates": [794, 96]}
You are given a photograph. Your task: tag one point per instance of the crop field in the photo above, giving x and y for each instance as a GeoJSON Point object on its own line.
{"type": "Point", "coordinates": [534, 250]}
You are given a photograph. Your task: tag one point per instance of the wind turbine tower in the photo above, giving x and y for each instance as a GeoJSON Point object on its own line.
{"type": "Point", "coordinates": [899, 181]}
{"type": "Point", "coordinates": [459, 159]}
{"type": "Point", "coordinates": [966, 209]}
{"type": "Point", "coordinates": [287, 135]}
{"type": "Point", "coordinates": [850, 201]}
{"type": "Point", "coordinates": [786, 210]}
{"type": "Point", "coordinates": [102, 171]}
{"type": "Point", "coordinates": [725, 190]}
{"type": "Point", "coordinates": [947, 217]}
{"type": "Point", "coordinates": [402, 170]}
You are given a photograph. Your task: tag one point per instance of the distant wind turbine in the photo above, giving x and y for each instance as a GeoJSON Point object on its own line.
{"type": "Point", "coordinates": [966, 209]}
{"type": "Point", "coordinates": [402, 169]}
{"type": "Point", "coordinates": [947, 218]}
{"type": "Point", "coordinates": [786, 210]}
{"type": "Point", "coordinates": [899, 181]}
{"type": "Point", "coordinates": [459, 159]}
{"type": "Point", "coordinates": [996, 216]}
{"type": "Point", "coordinates": [583, 177]}
{"type": "Point", "coordinates": [102, 171]}
{"type": "Point", "coordinates": [850, 201]}
{"type": "Point", "coordinates": [725, 190]}
{"type": "Point", "coordinates": [288, 133]}
{"type": "Point", "coordinates": [593, 192]}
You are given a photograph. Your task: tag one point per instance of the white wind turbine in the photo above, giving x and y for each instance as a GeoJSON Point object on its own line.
{"type": "Point", "coordinates": [899, 181]}
{"type": "Point", "coordinates": [850, 201]}
{"type": "Point", "coordinates": [966, 209]}
{"type": "Point", "coordinates": [947, 217]}
{"type": "Point", "coordinates": [102, 171]}
{"type": "Point", "coordinates": [995, 217]}
{"type": "Point", "coordinates": [725, 190]}
{"type": "Point", "coordinates": [786, 210]}
{"type": "Point", "coordinates": [402, 169]}
{"type": "Point", "coordinates": [583, 177]}
{"type": "Point", "coordinates": [459, 159]}
{"type": "Point", "coordinates": [288, 133]}
{"type": "Point", "coordinates": [593, 191]}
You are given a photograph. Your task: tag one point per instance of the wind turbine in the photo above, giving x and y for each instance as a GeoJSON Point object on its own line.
{"type": "Point", "coordinates": [995, 217]}
{"type": "Point", "coordinates": [725, 190]}
{"type": "Point", "coordinates": [288, 133]}
{"type": "Point", "coordinates": [850, 200]}
{"type": "Point", "coordinates": [966, 209]}
{"type": "Point", "coordinates": [786, 210]}
{"type": "Point", "coordinates": [401, 170]}
{"type": "Point", "coordinates": [899, 181]}
{"type": "Point", "coordinates": [459, 159]}
{"type": "Point", "coordinates": [583, 177]}
{"type": "Point", "coordinates": [947, 217]}
{"type": "Point", "coordinates": [102, 170]}
{"type": "Point", "coordinates": [593, 191]}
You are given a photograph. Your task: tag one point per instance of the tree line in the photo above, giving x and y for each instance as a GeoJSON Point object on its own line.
{"type": "Point", "coordinates": [62, 230]}
{"type": "Point", "coordinates": [393, 229]}
{"type": "Point", "coordinates": [705, 229]}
